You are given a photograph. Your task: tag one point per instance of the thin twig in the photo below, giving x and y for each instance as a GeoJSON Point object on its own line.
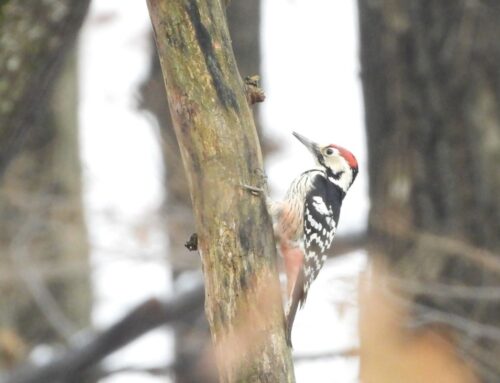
{"type": "Point", "coordinates": [43, 298]}
{"type": "Point", "coordinates": [443, 290]}
{"type": "Point", "coordinates": [444, 245]}
{"type": "Point", "coordinates": [430, 316]}
{"type": "Point", "coordinates": [153, 371]}
{"type": "Point", "coordinates": [349, 243]}
{"type": "Point", "coordinates": [481, 256]}
{"type": "Point", "coordinates": [347, 353]}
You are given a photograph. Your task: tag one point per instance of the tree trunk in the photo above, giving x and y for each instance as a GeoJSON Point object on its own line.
{"type": "Point", "coordinates": [220, 151]}
{"type": "Point", "coordinates": [35, 37]}
{"type": "Point", "coordinates": [45, 283]}
{"type": "Point", "coordinates": [243, 19]}
{"type": "Point", "coordinates": [42, 230]}
{"type": "Point", "coordinates": [431, 81]}
{"type": "Point", "coordinates": [191, 339]}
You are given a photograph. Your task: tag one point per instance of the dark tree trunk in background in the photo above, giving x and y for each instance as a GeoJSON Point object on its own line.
{"type": "Point", "coordinates": [243, 19]}
{"type": "Point", "coordinates": [35, 37]}
{"type": "Point", "coordinates": [431, 80]}
{"type": "Point", "coordinates": [44, 277]}
{"type": "Point", "coordinates": [44, 281]}
{"type": "Point", "coordinates": [193, 339]}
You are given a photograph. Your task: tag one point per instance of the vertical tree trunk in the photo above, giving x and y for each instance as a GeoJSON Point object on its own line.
{"type": "Point", "coordinates": [45, 284]}
{"type": "Point", "coordinates": [191, 340]}
{"type": "Point", "coordinates": [431, 83]}
{"type": "Point", "coordinates": [40, 214]}
{"type": "Point", "coordinates": [35, 37]}
{"type": "Point", "coordinates": [219, 147]}
{"type": "Point", "coordinates": [243, 19]}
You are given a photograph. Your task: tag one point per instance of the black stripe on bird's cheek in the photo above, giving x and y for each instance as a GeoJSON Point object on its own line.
{"type": "Point", "coordinates": [335, 176]}
{"type": "Point", "coordinates": [321, 160]}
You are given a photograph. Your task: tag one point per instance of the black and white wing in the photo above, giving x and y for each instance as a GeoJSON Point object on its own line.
{"type": "Point", "coordinates": [321, 215]}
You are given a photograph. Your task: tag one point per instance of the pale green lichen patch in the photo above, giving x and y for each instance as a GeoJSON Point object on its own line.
{"type": "Point", "coordinates": [13, 63]}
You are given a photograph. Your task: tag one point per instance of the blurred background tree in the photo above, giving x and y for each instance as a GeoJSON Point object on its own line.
{"type": "Point", "coordinates": [431, 81]}
{"type": "Point", "coordinates": [44, 279]}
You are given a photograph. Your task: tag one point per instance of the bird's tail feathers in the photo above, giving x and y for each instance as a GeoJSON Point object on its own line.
{"type": "Point", "coordinates": [297, 299]}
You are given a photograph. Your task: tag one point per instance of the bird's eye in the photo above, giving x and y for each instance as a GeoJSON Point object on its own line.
{"type": "Point", "coordinates": [329, 151]}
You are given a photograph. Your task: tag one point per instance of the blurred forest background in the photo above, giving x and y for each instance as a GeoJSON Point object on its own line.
{"type": "Point", "coordinates": [429, 297]}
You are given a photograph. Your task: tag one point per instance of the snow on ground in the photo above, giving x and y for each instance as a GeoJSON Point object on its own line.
{"type": "Point", "coordinates": [310, 74]}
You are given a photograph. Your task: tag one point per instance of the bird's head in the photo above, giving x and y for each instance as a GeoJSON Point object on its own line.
{"type": "Point", "coordinates": [340, 165]}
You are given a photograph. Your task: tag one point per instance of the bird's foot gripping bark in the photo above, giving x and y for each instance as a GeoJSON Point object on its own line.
{"type": "Point", "coordinates": [261, 184]}
{"type": "Point", "coordinates": [253, 189]}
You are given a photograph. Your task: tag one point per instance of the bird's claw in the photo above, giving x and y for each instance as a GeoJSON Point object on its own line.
{"type": "Point", "coordinates": [261, 189]}
{"type": "Point", "coordinates": [253, 190]}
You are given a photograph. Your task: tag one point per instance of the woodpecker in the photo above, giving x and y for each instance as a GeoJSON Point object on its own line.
{"type": "Point", "coordinates": [306, 220]}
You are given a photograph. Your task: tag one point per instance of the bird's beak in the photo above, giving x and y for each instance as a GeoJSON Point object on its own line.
{"type": "Point", "coordinates": [312, 146]}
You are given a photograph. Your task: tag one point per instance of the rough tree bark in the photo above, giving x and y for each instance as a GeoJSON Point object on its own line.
{"type": "Point", "coordinates": [431, 80]}
{"type": "Point", "coordinates": [191, 338]}
{"type": "Point", "coordinates": [220, 150]}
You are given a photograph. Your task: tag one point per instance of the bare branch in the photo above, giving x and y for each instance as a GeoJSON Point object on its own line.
{"type": "Point", "coordinates": [443, 245]}
{"type": "Point", "coordinates": [443, 290]}
{"type": "Point", "coordinates": [152, 371]}
{"type": "Point", "coordinates": [428, 315]}
{"type": "Point", "coordinates": [44, 300]}
{"type": "Point", "coordinates": [347, 353]}
{"type": "Point", "coordinates": [145, 317]}
{"type": "Point", "coordinates": [348, 243]}
{"type": "Point", "coordinates": [485, 258]}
